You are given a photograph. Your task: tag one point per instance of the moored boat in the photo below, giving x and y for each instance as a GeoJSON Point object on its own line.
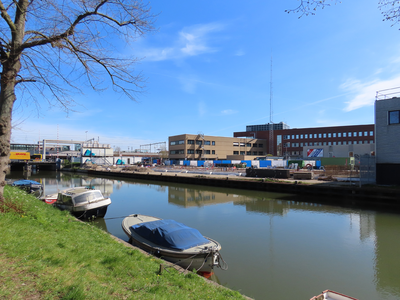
{"type": "Point", "coordinates": [29, 186]}
{"type": "Point", "coordinates": [50, 199]}
{"type": "Point", "coordinates": [82, 202]}
{"type": "Point", "coordinates": [332, 295]}
{"type": "Point", "coordinates": [174, 242]}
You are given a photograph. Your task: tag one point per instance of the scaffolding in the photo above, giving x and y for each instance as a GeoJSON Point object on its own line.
{"type": "Point", "coordinates": [153, 148]}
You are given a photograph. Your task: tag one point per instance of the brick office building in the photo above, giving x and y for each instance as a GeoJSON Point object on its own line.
{"type": "Point", "coordinates": [293, 142]}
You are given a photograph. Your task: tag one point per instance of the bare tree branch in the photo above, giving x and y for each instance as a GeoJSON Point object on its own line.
{"type": "Point", "coordinates": [309, 7]}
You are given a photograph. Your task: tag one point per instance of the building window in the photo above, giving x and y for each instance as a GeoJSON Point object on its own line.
{"type": "Point", "coordinates": [319, 135]}
{"type": "Point", "coordinates": [191, 142]}
{"type": "Point", "coordinates": [394, 117]}
{"type": "Point", "coordinates": [254, 152]}
{"type": "Point", "coordinates": [324, 143]}
{"type": "Point", "coordinates": [305, 144]}
{"type": "Point", "coordinates": [339, 134]}
{"type": "Point", "coordinates": [241, 144]}
{"type": "Point", "coordinates": [199, 143]}
{"type": "Point", "coordinates": [235, 152]}
{"type": "Point", "coordinates": [241, 152]}
{"type": "Point", "coordinates": [248, 153]}
{"type": "Point", "coordinates": [324, 135]}
{"type": "Point", "coordinates": [292, 136]}
{"type": "Point", "coordinates": [301, 144]}
{"type": "Point", "coordinates": [349, 135]}
{"type": "Point", "coordinates": [181, 142]}
{"type": "Point", "coordinates": [334, 134]}
{"type": "Point", "coordinates": [334, 143]}
{"type": "Point", "coordinates": [297, 136]}
{"type": "Point", "coordinates": [306, 136]}
{"type": "Point", "coordinates": [344, 134]}
{"type": "Point", "coordinates": [260, 153]}
{"type": "Point", "coordinates": [235, 144]}
{"type": "Point", "coordinates": [320, 144]}
{"type": "Point", "coordinates": [339, 143]}
{"type": "Point", "coordinates": [355, 134]}
{"type": "Point", "coordinates": [344, 142]}
{"type": "Point", "coordinates": [207, 143]}
{"type": "Point", "coordinates": [315, 135]}
{"type": "Point", "coordinates": [371, 133]}
{"type": "Point", "coordinates": [254, 145]}
{"type": "Point", "coordinates": [206, 151]}
{"type": "Point", "coordinates": [365, 133]}
{"type": "Point", "coordinates": [198, 151]}
{"type": "Point", "coordinates": [260, 145]}
{"type": "Point", "coordinates": [360, 133]}
{"type": "Point", "coordinates": [176, 151]}
{"type": "Point", "coordinates": [190, 151]}
{"type": "Point", "coordinates": [213, 143]}
{"type": "Point", "coordinates": [329, 135]}
{"type": "Point", "coordinates": [286, 137]}
{"type": "Point", "coordinates": [213, 152]}
{"type": "Point", "coordinates": [301, 136]}
{"type": "Point", "coordinates": [248, 144]}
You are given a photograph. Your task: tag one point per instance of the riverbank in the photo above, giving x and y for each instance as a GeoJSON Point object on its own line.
{"type": "Point", "coordinates": [45, 253]}
{"type": "Point", "coordinates": [342, 193]}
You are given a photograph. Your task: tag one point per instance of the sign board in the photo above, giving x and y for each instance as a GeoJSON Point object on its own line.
{"type": "Point", "coordinates": [315, 152]}
{"type": "Point", "coordinates": [20, 155]}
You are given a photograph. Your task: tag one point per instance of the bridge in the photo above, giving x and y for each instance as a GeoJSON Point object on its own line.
{"type": "Point", "coordinates": [41, 165]}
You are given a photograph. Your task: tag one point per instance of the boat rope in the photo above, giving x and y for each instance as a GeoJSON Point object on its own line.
{"type": "Point", "coordinates": [224, 265]}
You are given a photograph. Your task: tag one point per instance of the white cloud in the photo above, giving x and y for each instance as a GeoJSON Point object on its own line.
{"type": "Point", "coordinates": [228, 112]}
{"type": "Point", "coordinates": [365, 92]}
{"type": "Point", "coordinates": [191, 41]}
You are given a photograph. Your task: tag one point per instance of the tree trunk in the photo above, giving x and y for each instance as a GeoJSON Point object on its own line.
{"type": "Point", "coordinates": [7, 98]}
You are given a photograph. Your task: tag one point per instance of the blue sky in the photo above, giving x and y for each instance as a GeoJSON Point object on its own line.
{"type": "Point", "coordinates": [208, 70]}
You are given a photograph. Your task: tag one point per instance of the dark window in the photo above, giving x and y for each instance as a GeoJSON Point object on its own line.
{"type": "Point", "coordinates": [191, 142]}
{"type": "Point", "coordinates": [394, 117]}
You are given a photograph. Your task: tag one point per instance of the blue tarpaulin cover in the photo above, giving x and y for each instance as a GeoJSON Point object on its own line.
{"type": "Point", "coordinates": [169, 233]}
{"type": "Point", "coordinates": [24, 182]}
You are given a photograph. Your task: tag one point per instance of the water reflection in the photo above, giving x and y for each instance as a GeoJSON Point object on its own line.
{"type": "Point", "coordinates": [277, 246]}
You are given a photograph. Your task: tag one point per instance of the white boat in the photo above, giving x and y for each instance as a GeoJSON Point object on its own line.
{"type": "Point", "coordinates": [82, 202]}
{"type": "Point", "coordinates": [174, 242]}
{"type": "Point", "coordinates": [332, 295]}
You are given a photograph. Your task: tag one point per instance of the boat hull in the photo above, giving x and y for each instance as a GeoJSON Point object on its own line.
{"type": "Point", "coordinates": [198, 258]}
{"type": "Point", "coordinates": [86, 211]}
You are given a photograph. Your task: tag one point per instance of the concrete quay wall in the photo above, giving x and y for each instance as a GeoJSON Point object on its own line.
{"type": "Point", "coordinates": [320, 192]}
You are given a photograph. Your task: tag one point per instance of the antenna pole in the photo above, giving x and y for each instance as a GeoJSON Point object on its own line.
{"type": "Point", "coordinates": [271, 123]}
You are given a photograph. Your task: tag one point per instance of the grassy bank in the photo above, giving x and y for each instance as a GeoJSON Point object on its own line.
{"type": "Point", "coordinates": [47, 254]}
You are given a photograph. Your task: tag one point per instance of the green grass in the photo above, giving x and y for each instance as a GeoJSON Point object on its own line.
{"type": "Point", "coordinates": [47, 254]}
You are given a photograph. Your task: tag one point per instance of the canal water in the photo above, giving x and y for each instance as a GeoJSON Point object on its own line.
{"type": "Point", "coordinates": [276, 246]}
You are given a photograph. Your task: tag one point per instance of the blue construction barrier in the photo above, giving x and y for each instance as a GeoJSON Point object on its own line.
{"type": "Point", "coordinates": [200, 163]}
{"type": "Point", "coordinates": [247, 162]}
{"type": "Point", "coordinates": [265, 163]}
{"type": "Point", "coordinates": [186, 162]}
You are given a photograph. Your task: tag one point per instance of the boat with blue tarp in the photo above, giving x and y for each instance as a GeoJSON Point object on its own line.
{"type": "Point", "coordinates": [29, 186]}
{"type": "Point", "coordinates": [174, 242]}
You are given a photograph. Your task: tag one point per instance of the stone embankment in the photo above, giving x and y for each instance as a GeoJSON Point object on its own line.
{"type": "Point", "coordinates": [332, 192]}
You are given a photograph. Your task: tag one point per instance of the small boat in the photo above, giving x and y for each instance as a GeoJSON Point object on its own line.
{"type": "Point", "coordinates": [331, 295]}
{"type": "Point", "coordinates": [29, 186]}
{"type": "Point", "coordinates": [50, 199]}
{"type": "Point", "coordinates": [174, 242]}
{"type": "Point", "coordinates": [82, 202]}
